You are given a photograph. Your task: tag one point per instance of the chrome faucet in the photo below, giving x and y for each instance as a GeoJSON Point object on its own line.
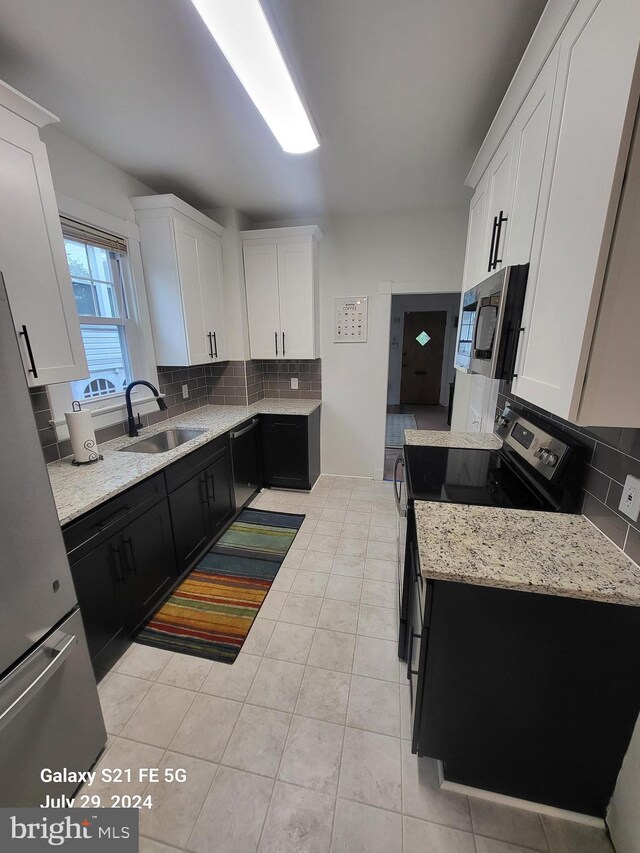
{"type": "Point", "coordinates": [133, 431]}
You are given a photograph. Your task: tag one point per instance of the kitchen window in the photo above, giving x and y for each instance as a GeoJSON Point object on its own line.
{"type": "Point", "coordinates": [98, 279]}
{"type": "Point", "coordinates": [105, 265]}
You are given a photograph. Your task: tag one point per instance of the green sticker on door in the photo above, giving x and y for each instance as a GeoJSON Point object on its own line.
{"type": "Point", "coordinates": [423, 338]}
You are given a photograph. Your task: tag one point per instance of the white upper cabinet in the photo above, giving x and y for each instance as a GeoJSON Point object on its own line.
{"type": "Point", "coordinates": [477, 253]}
{"type": "Point", "coordinates": [551, 171]}
{"type": "Point", "coordinates": [32, 256]}
{"type": "Point", "coordinates": [182, 258]}
{"type": "Point", "coordinates": [530, 132]}
{"type": "Point", "coordinates": [281, 276]}
{"type": "Point", "coordinates": [498, 207]}
{"type": "Point", "coordinates": [591, 126]}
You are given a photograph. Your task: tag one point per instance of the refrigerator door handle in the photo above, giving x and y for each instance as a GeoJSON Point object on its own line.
{"type": "Point", "coordinates": [60, 652]}
{"type": "Point", "coordinates": [397, 486]}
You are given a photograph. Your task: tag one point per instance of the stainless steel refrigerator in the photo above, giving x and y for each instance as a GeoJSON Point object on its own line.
{"type": "Point", "coordinates": [50, 715]}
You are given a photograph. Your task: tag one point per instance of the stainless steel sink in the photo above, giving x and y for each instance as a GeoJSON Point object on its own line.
{"type": "Point", "coordinates": [161, 442]}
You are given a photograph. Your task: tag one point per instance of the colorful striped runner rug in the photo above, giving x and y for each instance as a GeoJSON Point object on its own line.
{"type": "Point", "coordinates": [210, 613]}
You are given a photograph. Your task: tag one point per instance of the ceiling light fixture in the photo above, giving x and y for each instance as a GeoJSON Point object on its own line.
{"type": "Point", "coordinates": [244, 36]}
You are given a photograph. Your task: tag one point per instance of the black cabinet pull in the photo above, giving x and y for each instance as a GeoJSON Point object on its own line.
{"type": "Point", "coordinates": [204, 494]}
{"type": "Point", "coordinates": [118, 570]}
{"type": "Point", "coordinates": [32, 369]}
{"type": "Point", "coordinates": [210, 336]}
{"type": "Point", "coordinates": [493, 243]}
{"type": "Point", "coordinates": [496, 260]}
{"type": "Point", "coordinates": [132, 565]}
{"type": "Point", "coordinates": [215, 345]}
{"type": "Point", "coordinates": [275, 335]}
{"type": "Point", "coordinates": [111, 519]}
{"type": "Point", "coordinates": [283, 351]}
{"type": "Point", "coordinates": [211, 494]}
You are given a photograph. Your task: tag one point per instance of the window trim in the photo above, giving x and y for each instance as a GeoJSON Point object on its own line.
{"type": "Point", "coordinates": [112, 410]}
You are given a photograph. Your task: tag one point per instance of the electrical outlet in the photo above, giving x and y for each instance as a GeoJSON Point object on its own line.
{"type": "Point", "coordinates": [294, 383]}
{"type": "Point", "coordinates": [185, 392]}
{"type": "Point", "coordinates": [630, 500]}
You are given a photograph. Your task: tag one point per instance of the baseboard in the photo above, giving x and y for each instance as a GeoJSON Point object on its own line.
{"type": "Point", "coordinates": [516, 803]}
{"type": "Point", "coordinates": [378, 474]}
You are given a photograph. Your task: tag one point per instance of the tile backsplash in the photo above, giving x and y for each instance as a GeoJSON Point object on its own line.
{"type": "Point", "coordinates": [276, 376]}
{"type": "Point", "coordinates": [229, 383]}
{"type": "Point", "coordinates": [612, 453]}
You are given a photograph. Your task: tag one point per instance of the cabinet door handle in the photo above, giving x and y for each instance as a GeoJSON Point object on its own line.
{"type": "Point", "coordinates": [275, 335]}
{"type": "Point", "coordinates": [32, 369]}
{"type": "Point", "coordinates": [215, 345]}
{"type": "Point", "coordinates": [283, 351]}
{"type": "Point", "coordinates": [210, 336]}
{"type": "Point", "coordinates": [119, 570]}
{"type": "Point", "coordinates": [211, 494]}
{"type": "Point", "coordinates": [132, 565]}
{"type": "Point", "coordinates": [493, 243]}
{"type": "Point", "coordinates": [204, 494]}
{"type": "Point", "coordinates": [496, 260]}
{"type": "Point", "coordinates": [113, 518]}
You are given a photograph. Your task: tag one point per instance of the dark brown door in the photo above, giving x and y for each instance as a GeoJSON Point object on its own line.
{"type": "Point", "coordinates": [422, 352]}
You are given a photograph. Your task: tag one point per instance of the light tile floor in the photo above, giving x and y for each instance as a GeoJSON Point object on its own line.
{"type": "Point", "coordinates": [301, 744]}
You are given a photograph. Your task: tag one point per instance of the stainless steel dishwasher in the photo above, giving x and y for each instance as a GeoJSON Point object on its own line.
{"type": "Point", "coordinates": [245, 454]}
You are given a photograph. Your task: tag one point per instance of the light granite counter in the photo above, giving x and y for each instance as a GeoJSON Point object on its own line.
{"type": "Point", "coordinates": [442, 438]}
{"type": "Point", "coordinates": [544, 552]}
{"type": "Point", "coordinates": [77, 489]}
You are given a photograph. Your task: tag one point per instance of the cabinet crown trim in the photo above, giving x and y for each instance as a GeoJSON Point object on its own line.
{"type": "Point", "coordinates": [148, 206]}
{"type": "Point", "coordinates": [275, 233]}
{"type": "Point", "coordinates": [24, 107]}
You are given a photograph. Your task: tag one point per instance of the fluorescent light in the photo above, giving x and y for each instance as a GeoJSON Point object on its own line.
{"type": "Point", "coordinates": [244, 36]}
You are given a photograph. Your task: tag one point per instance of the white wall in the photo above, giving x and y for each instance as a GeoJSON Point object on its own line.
{"type": "Point", "coordinates": [400, 305]}
{"type": "Point", "coordinates": [356, 255]}
{"type": "Point", "coordinates": [85, 176]}
{"type": "Point", "coordinates": [624, 815]}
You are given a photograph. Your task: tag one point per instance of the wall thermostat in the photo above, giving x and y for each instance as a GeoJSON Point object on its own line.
{"type": "Point", "coordinates": [350, 320]}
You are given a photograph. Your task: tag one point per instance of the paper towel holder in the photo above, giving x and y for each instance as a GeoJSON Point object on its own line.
{"type": "Point", "coordinates": [98, 456]}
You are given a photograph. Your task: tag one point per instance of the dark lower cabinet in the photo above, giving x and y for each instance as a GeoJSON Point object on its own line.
{"type": "Point", "coordinates": [220, 489]}
{"type": "Point", "coordinates": [291, 450]}
{"type": "Point", "coordinates": [99, 580]}
{"type": "Point", "coordinates": [201, 501]}
{"type": "Point", "coordinates": [122, 579]}
{"type": "Point", "coordinates": [146, 548]}
{"type": "Point", "coordinates": [192, 521]}
{"type": "Point", "coordinates": [529, 695]}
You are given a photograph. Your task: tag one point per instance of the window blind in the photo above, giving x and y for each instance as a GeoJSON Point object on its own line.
{"type": "Point", "coordinates": [82, 233]}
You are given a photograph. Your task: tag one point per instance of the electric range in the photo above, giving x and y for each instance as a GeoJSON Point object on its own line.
{"type": "Point", "coordinates": [537, 468]}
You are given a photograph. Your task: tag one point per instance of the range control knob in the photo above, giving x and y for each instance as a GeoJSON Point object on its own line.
{"type": "Point", "coordinates": [502, 421]}
{"type": "Point", "coordinates": [551, 459]}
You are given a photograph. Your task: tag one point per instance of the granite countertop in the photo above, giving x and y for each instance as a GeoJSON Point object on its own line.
{"type": "Point", "coordinates": [76, 489]}
{"type": "Point", "coordinates": [442, 438]}
{"type": "Point", "coordinates": [544, 552]}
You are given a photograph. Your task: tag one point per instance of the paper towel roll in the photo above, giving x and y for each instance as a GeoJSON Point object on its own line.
{"type": "Point", "coordinates": [83, 438]}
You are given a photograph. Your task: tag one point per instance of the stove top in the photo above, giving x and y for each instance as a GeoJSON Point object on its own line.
{"type": "Point", "coordinates": [456, 475]}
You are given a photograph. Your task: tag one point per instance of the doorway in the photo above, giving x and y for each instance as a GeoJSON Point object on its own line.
{"type": "Point", "coordinates": [421, 353]}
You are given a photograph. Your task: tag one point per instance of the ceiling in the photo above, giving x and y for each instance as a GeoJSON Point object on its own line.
{"type": "Point", "coordinates": [402, 93]}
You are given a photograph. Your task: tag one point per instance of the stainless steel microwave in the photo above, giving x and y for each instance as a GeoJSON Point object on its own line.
{"type": "Point", "coordinates": [489, 324]}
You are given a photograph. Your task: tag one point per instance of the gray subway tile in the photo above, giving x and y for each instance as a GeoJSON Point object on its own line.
{"type": "Point", "coordinates": [605, 519]}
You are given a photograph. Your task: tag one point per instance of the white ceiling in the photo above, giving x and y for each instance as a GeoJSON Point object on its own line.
{"type": "Point", "coordinates": [402, 93]}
